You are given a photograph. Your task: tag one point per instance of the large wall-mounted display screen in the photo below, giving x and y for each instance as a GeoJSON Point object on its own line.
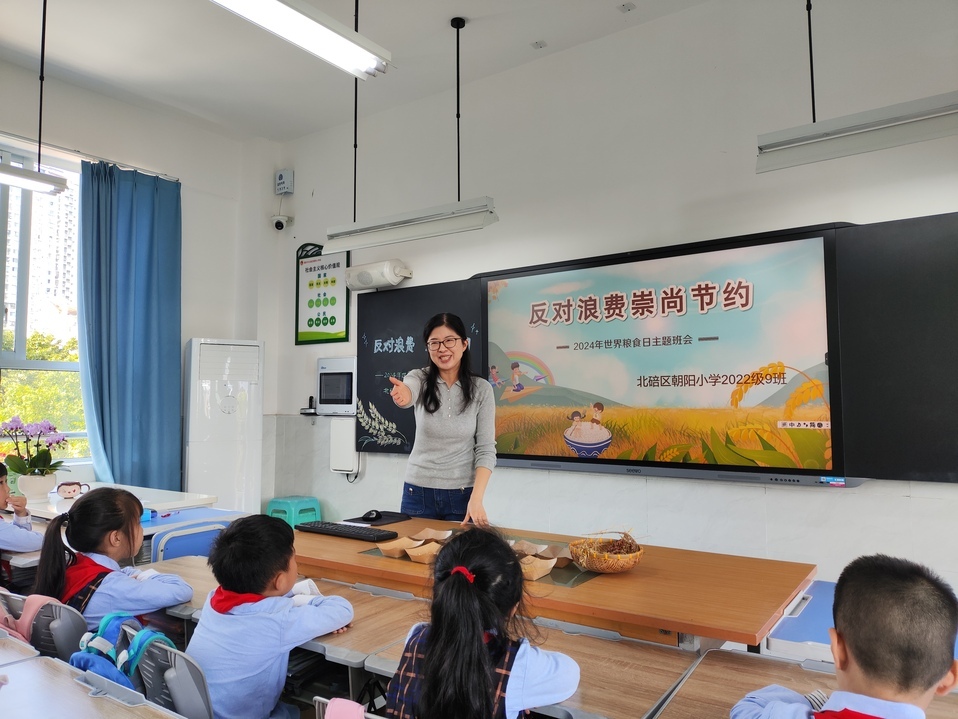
{"type": "Point", "coordinates": [720, 360]}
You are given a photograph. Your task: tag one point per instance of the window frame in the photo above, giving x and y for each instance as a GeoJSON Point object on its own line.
{"type": "Point", "coordinates": [17, 358]}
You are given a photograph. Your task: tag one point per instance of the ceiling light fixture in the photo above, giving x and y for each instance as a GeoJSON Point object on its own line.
{"type": "Point", "coordinates": [431, 222]}
{"type": "Point", "coordinates": [902, 124]}
{"type": "Point", "coordinates": [31, 180]}
{"type": "Point", "coordinates": [461, 216]}
{"type": "Point", "coordinates": [306, 27]}
{"type": "Point", "coordinates": [22, 177]}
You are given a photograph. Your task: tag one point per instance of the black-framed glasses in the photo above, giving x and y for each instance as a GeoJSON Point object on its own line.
{"type": "Point", "coordinates": [448, 343]}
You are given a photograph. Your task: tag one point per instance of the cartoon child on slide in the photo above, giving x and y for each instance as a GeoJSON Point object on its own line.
{"type": "Point", "coordinates": [516, 384]}
{"type": "Point", "coordinates": [576, 428]}
{"type": "Point", "coordinates": [597, 410]}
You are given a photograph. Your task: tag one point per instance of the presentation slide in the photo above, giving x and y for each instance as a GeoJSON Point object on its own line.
{"type": "Point", "coordinates": [717, 358]}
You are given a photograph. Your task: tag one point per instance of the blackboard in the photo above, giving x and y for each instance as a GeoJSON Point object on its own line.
{"type": "Point", "coordinates": [389, 344]}
{"type": "Point", "coordinates": [898, 311]}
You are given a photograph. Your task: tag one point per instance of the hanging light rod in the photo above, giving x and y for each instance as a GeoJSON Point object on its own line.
{"type": "Point", "coordinates": [32, 180]}
{"type": "Point", "coordinates": [431, 222]}
{"type": "Point", "coordinates": [901, 124]}
{"type": "Point", "coordinates": [306, 27]}
{"type": "Point", "coordinates": [25, 178]}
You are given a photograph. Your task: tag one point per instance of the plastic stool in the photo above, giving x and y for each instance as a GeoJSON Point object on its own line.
{"type": "Point", "coordinates": [294, 510]}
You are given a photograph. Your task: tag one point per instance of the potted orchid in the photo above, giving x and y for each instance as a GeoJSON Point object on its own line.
{"type": "Point", "coordinates": [32, 456]}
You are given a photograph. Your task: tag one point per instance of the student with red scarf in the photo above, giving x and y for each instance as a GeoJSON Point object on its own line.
{"type": "Point", "coordinates": [893, 644]}
{"type": "Point", "coordinates": [252, 620]}
{"type": "Point", "coordinates": [102, 529]}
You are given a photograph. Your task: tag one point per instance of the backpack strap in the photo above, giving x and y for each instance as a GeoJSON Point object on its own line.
{"type": "Point", "coordinates": [104, 640]}
{"type": "Point", "coordinates": [129, 658]}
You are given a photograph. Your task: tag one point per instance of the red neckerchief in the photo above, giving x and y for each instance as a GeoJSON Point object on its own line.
{"type": "Point", "coordinates": [80, 574]}
{"type": "Point", "coordinates": [223, 599]}
{"type": "Point", "coordinates": [842, 714]}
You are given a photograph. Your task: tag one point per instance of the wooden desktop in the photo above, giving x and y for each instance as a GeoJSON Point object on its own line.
{"type": "Point", "coordinates": [674, 596]}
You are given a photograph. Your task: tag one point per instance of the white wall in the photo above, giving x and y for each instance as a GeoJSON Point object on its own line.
{"type": "Point", "coordinates": [642, 139]}
{"type": "Point", "coordinates": [226, 199]}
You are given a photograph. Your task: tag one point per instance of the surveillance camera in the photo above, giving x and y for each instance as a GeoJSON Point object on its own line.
{"type": "Point", "coordinates": [280, 222]}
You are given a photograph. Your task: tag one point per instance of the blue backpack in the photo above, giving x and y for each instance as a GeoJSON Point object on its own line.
{"type": "Point", "coordinates": [98, 650]}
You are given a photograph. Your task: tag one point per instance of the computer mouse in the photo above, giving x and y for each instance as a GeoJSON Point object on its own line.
{"type": "Point", "coordinates": [372, 515]}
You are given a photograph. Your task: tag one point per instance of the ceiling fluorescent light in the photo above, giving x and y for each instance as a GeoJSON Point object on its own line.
{"type": "Point", "coordinates": [306, 27]}
{"type": "Point", "coordinates": [432, 222]}
{"type": "Point", "coordinates": [902, 124]}
{"type": "Point", "coordinates": [32, 180]}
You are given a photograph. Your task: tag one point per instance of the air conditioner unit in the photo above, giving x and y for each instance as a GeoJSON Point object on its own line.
{"type": "Point", "coordinates": [377, 274]}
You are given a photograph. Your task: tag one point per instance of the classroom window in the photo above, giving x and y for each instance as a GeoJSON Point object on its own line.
{"type": "Point", "coordinates": [39, 357]}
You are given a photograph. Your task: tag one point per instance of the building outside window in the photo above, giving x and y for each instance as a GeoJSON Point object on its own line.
{"type": "Point", "coordinates": [39, 360]}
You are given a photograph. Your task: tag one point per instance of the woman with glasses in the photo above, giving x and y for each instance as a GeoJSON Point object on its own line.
{"type": "Point", "coordinates": [455, 448]}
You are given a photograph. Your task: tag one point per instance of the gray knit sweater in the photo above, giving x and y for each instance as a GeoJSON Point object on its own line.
{"type": "Point", "coordinates": [453, 441]}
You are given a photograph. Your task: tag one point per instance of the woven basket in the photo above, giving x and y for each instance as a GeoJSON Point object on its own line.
{"type": "Point", "coordinates": [593, 553]}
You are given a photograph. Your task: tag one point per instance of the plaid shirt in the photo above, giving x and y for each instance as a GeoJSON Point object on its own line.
{"type": "Point", "coordinates": [403, 694]}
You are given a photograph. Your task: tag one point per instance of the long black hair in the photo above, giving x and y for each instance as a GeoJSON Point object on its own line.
{"type": "Point", "coordinates": [429, 392]}
{"type": "Point", "coordinates": [473, 620]}
{"type": "Point", "coordinates": [86, 525]}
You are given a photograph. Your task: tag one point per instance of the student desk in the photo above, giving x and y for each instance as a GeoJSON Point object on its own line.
{"type": "Point", "coordinates": [674, 596]}
{"type": "Point", "coordinates": [617, 679]}
{"type": "Point", "coordinates": [721, 678]}
{"type": "Point", "coordinates": [13, 651]}
{"type": "Point", "coordinates": [158, 499]}
{"type": "Point", "coordinates": [47, 687]}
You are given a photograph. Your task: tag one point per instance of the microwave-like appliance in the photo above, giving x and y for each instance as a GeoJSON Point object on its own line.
{"type": "Point", "coordinates": [336, 385]}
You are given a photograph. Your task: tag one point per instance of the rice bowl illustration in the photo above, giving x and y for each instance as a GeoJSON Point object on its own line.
{"type": "Point", "coordinates": [589, 441]}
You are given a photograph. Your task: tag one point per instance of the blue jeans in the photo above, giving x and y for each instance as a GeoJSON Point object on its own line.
{"type": "Point", "coordinates": [428, 503]}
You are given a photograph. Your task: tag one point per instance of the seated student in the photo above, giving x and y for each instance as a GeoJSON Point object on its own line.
{"type": "Point", "coordinates": [893, 645]}
{"type": "Point", "coordinates": [471, 661]}
{"type": "Point", "coordinates": [250, 622]}
{"type": "Point", "coordinates": [103, 528]}
{"type": "Point", "coordinates": [18, 535]}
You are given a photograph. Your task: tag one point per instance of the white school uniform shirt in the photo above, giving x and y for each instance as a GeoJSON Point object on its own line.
{"type": "Point", "coordinates": [244, 652]}
{"type": "Point", "coordinates": [18, 535]}
{"type": "Point", "coordinates": [121, 591]}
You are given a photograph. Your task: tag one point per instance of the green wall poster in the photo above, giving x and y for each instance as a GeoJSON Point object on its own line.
{"type": "Point", "coordinates": [322, 300]}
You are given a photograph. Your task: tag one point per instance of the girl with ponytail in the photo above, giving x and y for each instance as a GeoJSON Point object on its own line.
{"type": "Point", "coordinates": [471, 661]}
{"type": "Point", "coordinates": [101, 529]}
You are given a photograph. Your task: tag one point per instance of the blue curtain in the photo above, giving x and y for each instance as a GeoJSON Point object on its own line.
{"type": "Point", "coordinates": [129, 324]}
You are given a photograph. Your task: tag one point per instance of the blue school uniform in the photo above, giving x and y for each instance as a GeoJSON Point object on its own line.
{"type": "Point", "coordinates": [244, 650]}
{"type": "Point", "coordinates": [777, 702]}
{"type": "Point", "coordinates": [120, 591]}
{"type": "Point", "coordinates": [18, 535]}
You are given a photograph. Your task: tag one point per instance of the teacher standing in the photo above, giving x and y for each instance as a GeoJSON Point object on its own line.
{"type": "Point", "coordinates": [455, 448]}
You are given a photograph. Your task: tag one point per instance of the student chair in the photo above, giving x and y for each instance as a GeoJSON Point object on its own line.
{"type": "Point", "coordinates": [173, 680]}
{"type": "Point", "coordinates": [184, 541]}
{"type": "Point", "coordinates": [57, 630]}
{"type": "Point", "coordinates": [339, 708]}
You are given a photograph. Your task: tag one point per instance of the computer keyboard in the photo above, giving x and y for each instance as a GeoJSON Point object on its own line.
{"type": "Point", "coordinates": [350, 531]}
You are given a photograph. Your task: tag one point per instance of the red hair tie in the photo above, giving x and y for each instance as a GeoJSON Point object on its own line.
{"type": "Point", "coordinates": [464, 572]}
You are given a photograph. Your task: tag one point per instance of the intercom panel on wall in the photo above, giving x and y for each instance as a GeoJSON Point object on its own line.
{"type": "Point", "coordinates": [336, 385]}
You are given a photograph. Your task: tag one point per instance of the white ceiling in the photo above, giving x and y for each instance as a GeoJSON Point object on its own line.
{"type": "Point", "coordinates": [198, 58]}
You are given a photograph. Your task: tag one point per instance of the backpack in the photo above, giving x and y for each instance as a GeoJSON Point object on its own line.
{"type": "Point", "coordinates": [20, 624]}
{"type": "Point", "coordinates": [98, 650]}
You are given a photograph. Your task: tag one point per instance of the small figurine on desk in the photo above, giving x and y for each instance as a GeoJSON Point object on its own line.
{"type": "Point", "coordinates": [72, 490]}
